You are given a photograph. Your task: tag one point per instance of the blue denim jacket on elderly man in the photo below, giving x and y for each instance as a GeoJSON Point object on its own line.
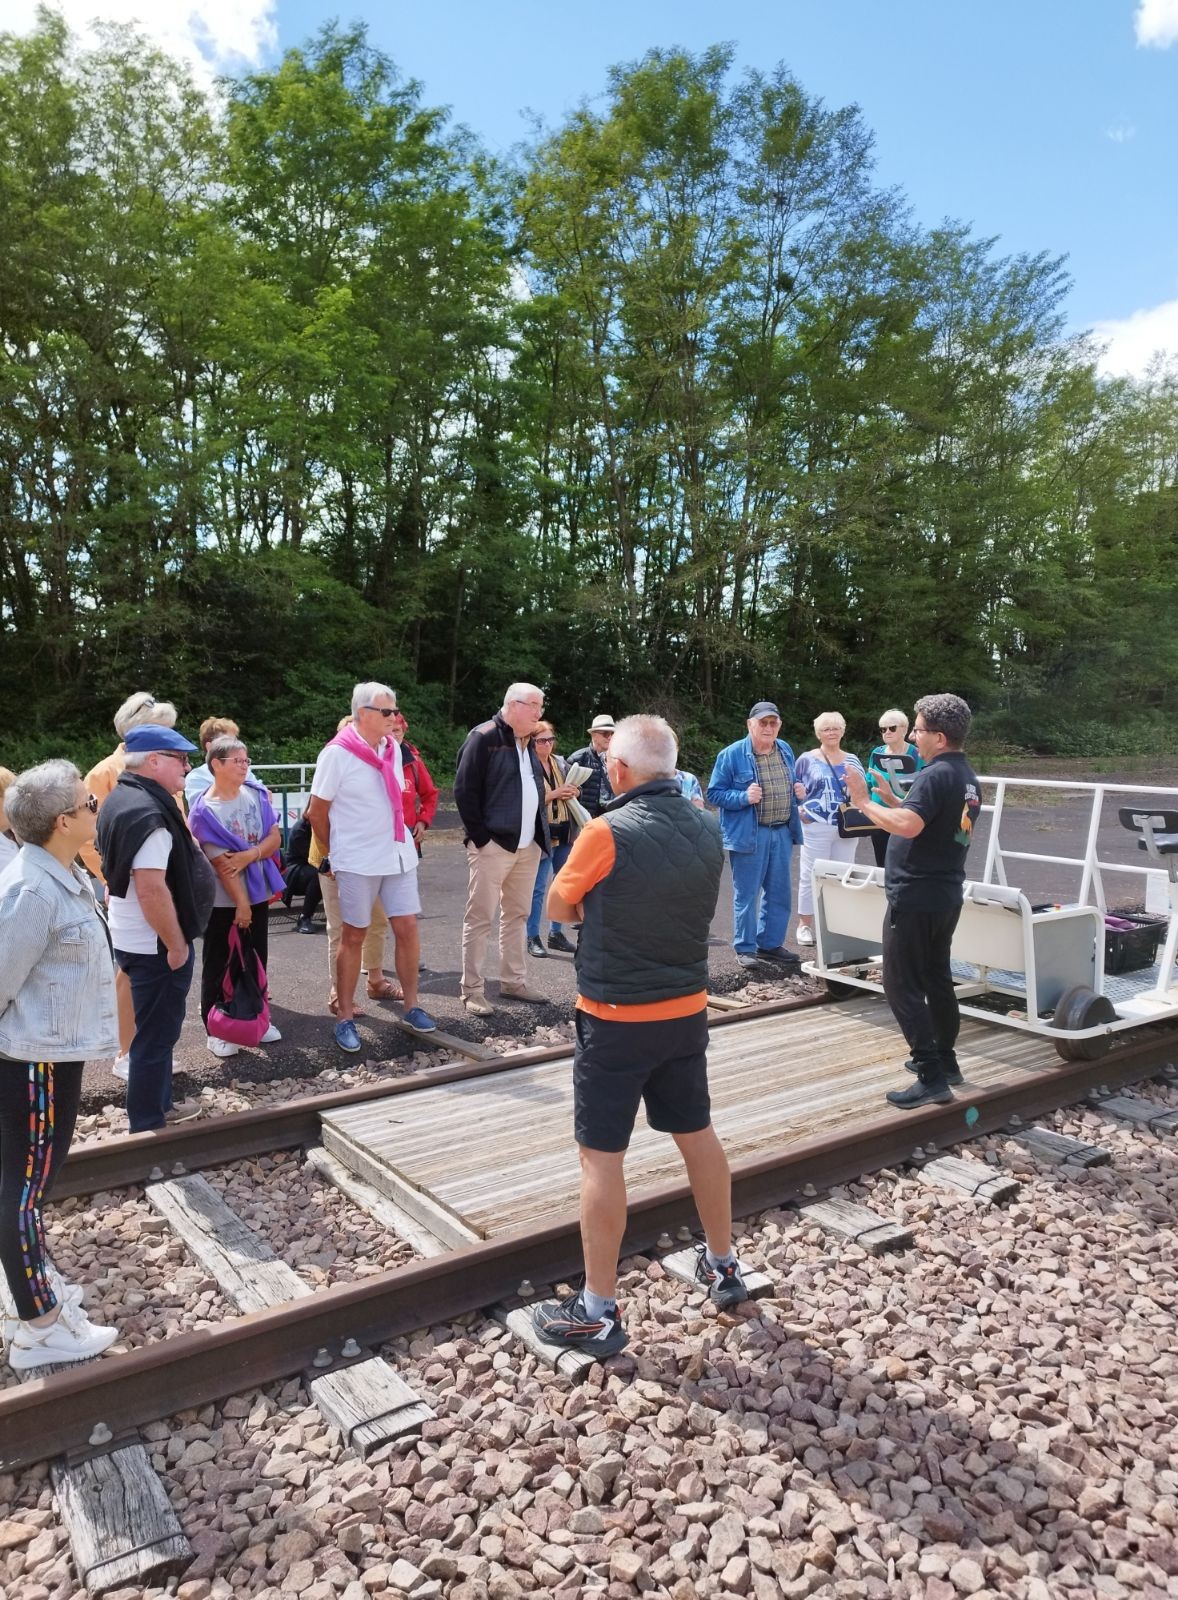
{"type": "Point", "coordinates": [57, 988]}
{"type": "Point", "coordinates": [735, 769]}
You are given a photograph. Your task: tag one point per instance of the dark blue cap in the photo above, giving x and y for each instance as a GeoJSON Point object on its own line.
{"type": "Point", "coordinates": [148, 737]}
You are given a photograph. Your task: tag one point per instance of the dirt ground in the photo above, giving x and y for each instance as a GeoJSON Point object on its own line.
{"type": "Point", "coordinates": [1036, 820]}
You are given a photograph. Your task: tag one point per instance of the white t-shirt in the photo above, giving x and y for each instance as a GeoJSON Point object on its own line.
{"type": "Point", "coordinates": [531, 799]}
{"type": "Point", "coordinates": [362, 838]}
{"type": "Point", "coordinates": [129, 928]}
{"type": "Point", "coordinates": [243, 816]}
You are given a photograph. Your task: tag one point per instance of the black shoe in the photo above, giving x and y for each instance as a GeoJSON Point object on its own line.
{"type": "Point", "coordinates": [952, 1074]}
{"type": "Point", "coordinates": [781, 956]}
{"type": "Point", "coordinates": [566, 1322]}
{"type": "Point", "coordinates": [749, 963]}
{"type": "Point", "coordinates": [304, 925]}
{"type": "Point", "coordinates": [536, 948]}
{"type": "Point", "coordinates": [557, 941]}
{"type": "Point", "coordinates": [725, 1285]}
{"type": "Point", "coordinates": [919, 1094]}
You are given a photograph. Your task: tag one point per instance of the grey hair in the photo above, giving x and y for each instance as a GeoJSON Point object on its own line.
{"type": "Point", "coordinates": [143, 709]}
{"type": "Point", "coordinates": [39, 796]}
{"type": "Point", "coordinates": [520, 691]}
{"type": "Point", "coordinates": [222, 747]}
{"type": "Point", "coordinates": [947, 714]}
{"type": "Point", "coordinates": [647, 745]}
{"type": "Point", "coordinates": [830, 716]}
{"type": "Point", "coordinates": [895, 715]}
{"type": "Point", "coordinates": [365, 693]}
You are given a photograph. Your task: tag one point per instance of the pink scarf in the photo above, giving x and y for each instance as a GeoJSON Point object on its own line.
{"type": "Point", "coordinates": [348, 739]}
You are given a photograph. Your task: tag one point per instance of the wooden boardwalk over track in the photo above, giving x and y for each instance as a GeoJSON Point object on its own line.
{"type": "Point", "coordinates": [497, 1154]}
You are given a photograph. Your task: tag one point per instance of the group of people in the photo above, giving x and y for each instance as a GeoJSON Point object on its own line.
{"type": "Point", "coordinates": [627, 855]}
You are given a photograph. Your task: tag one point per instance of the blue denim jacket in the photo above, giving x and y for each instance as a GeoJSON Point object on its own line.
{"type": "Point", "coordinates": [735, 769]}
{"type": "Point", "coordinates": [57, 988]}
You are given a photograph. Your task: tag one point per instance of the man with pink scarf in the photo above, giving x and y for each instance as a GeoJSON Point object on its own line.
{"type": "Point", "coordinates": [357, 814]}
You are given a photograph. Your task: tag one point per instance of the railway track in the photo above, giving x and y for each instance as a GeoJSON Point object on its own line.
{"type": "Point", "coordinates": [88, 1411]}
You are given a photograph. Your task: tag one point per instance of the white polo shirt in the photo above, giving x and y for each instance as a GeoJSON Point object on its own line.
{"type": "Point", "coordinates": [531, 799]}
{"type": "Point", "coordinates": [362, 838]}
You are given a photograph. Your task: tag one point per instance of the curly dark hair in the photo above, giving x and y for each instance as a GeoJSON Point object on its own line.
{"type": "Point", "coordinates": [947, 714]}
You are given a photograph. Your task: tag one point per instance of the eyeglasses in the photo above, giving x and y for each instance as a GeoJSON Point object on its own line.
{"type": "Point", "coordinates": [889, 727]}
{"type": "Point", "coordinates": [385, 711]}
{"type": "Point", "coordinates": [175, 755]}
{"type": "Point", "coordinates": [916, 732]}
{"type": "Point", "coordinates": [90, 804]}
{"type": "Point", "coordinates": [545, 738]}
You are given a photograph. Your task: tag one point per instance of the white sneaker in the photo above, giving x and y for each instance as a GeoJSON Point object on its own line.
{"type": "Point", "coordinates": [66, 1294]}
{"type": "Point", "coordinates": [122, 1067]}
{"type": "Point", "coordinates": [221, 1047]}
{"type": "Point", "coordinates": [72, 1337]}
{"type": "Point", "coordinates": [805, 934]}
{"type": "Point", "coordinates": [271, 1035]}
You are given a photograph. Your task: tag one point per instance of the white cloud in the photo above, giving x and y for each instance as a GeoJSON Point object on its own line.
{"type": "Point", "coordinates": [211, 36]}
{"type": "Point", "coordinates": [1156, 23]}
{"type": "Point", "coordinates": [1121, 132]}
{"type": "Point", "coordinates": [1133, 341]}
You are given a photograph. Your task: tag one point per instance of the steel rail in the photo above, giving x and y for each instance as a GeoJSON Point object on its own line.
{"type": "Point", "coordinates": [58, 1415]}
{"type": "Point", "coordinates": [191, 1146]}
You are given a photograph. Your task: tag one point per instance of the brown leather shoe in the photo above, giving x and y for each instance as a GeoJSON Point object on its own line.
{"type": "Point", "coordinates": [532, 996]}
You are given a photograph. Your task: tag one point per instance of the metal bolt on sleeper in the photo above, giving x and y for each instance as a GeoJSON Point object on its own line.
{"type": "Point", "coordinates": [322, 1357]}
{"type": "Point", "coordinates": [100, 1434]}
{"type": "Point", "coordinates": [350, 1349]}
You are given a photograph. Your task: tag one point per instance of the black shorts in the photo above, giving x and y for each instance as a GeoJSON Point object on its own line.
{"type": "Point", "coordinates": [618, 1064]}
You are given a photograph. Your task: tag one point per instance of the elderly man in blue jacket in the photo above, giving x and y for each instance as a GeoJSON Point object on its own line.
{"type": "Point", "coordinates": [753, 785]}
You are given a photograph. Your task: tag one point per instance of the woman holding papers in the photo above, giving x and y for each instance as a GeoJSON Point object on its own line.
{"type": "Point", "coordinates": [563, 822]}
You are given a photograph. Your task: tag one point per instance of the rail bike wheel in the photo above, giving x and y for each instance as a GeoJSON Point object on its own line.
{"type": "Point", "coordinates": [1079, 1007]}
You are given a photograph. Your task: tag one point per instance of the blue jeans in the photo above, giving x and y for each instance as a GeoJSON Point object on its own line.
{"type": "Point", "coordinates": [549, 867]}
{"type": "Point", "coordinates": [160, 997]}
{"type": "Point", "coordinates": [761, 875]}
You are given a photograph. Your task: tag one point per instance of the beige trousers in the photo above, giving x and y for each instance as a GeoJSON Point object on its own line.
{"type": "Point", "coordinates": [372, 959]}
{"type": "Point", "coordinates": [504, 879]}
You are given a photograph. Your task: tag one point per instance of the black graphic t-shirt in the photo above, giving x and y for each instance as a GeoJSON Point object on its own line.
{"type": "Point", "coordinates": [926, 873]}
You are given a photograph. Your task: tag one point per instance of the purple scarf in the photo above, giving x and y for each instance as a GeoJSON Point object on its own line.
{"type": "Point", "coordinates": [262, 878]}
{"type": "Point", "coordinates": [348, 739]}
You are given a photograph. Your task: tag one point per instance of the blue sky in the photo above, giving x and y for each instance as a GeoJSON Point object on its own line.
{"type": "Point", "coordinates": [1050, 123]}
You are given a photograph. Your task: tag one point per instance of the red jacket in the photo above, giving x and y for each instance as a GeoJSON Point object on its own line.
{"type": "Point", "coordinates": [421, 792]}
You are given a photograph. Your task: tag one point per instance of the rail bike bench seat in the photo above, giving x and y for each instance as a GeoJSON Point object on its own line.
{"type": "Point", "coordinates": [1157, 836]}
{"type": "Point", "coordinates": [1005, 944]}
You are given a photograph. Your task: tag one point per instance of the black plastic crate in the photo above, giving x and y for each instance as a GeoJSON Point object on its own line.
{"type": "Point", "coordinates": [1128, 949]}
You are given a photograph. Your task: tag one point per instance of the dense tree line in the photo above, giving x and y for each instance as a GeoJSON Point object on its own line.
{"type": "Point", "coordinates": [675, 409]}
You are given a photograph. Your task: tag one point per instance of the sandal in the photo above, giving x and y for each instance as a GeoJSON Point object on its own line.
{"type": "Point", "coordinates": [387, 990]}
{"type": "Point", "coordinates": [333, 1006]}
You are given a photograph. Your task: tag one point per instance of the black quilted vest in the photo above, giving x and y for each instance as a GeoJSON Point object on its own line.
{"type": "Point", "coordinates": [645, 936]}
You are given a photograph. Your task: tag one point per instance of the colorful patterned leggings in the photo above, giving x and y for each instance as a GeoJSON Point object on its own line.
{"type": "Point", "coordinates": [38, 1109]}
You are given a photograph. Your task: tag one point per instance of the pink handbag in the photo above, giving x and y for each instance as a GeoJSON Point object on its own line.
{"type": "Point", "coordinates": [244, 1012]}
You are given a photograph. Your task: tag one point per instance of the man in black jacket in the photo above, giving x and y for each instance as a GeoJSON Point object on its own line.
{"type": "Point", "coordinates": [499, 792]}
{"type": "Point", "coordinates": [596, 793]}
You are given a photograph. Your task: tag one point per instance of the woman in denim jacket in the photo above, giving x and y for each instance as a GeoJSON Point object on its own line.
{"type": "Point", "coordinates": [57, 1007]}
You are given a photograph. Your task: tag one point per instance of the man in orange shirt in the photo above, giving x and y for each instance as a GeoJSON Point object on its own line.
{"type": "Point", "coordinates": [642, 879]}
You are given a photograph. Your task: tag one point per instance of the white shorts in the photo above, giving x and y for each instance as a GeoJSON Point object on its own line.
{"type": "Point", "coordinates": [359, 892]}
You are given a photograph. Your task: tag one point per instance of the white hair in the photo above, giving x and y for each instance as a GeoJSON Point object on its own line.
{"type": "Point", "coordinates": [520, 691]}
{"type": "Point", "coordinates": [144, 710]}
{"type": "Point", "coordinates": [647, 745]}
{"type": "Point", "coordinates": [895, 715]}
{"type": "Point", "coordinates": [830, 716]}
{"type": "Point", "coordinates": [365, 693]}
{"type": "Point", "coordinates": [38, 797]}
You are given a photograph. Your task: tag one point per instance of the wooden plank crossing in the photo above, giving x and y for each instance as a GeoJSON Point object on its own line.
{"type": "Point", "coordinates": [498, 1152]}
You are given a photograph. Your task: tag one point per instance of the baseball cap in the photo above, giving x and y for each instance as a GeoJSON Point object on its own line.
{"type": "Point", "coordinates": [764, 708]}
{"type": "Point", "coordinates": [602, 725]}
{"type": "Point", "coordinates": [147, 737]}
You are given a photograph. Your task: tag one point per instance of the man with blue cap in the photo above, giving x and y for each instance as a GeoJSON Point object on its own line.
{"type": "Point", "coordinates": [161, 893]}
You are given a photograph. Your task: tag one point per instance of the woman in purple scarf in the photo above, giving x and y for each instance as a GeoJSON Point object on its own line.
{"type": "Point", "coordinates": [238, 829]}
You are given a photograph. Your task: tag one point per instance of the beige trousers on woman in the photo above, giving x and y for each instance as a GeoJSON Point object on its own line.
{"type": "Point", "coordinates": [372, 958]}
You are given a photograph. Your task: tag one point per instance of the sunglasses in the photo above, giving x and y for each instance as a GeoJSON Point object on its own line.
{"type": "Point", "coordinates": [385, 711]}
{"type": "Point", "coordinates": [90, 804]}
{"type": "Point", "coordinates": [889, 727]}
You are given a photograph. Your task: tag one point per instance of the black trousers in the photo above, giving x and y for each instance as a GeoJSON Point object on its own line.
{"type": "Point", "coordinates": [918, 984]}
{"type": "Point", "coordinates": [304, 880]}
{"type": "Point", "coordinates": [215, 955]}
{"type": "Point", "coordinates": [879, 844]}
{"type": "Point", "coordinates": [38, 1109]}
